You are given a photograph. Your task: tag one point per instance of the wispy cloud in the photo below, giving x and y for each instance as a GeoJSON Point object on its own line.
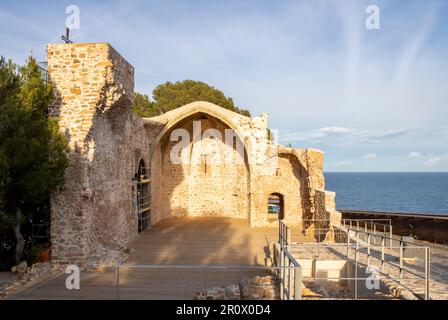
{"type": "Point", "coordinates": [342, 163]}
{"type": "Point", "coordinates": [432, 161]}
{"type": "Point", "coordinates": [335, 135]}
{"type": "Point", "coordinates": [352, 24]}
{"type": "Point", "coordinates": [370, 156]}
{"type": "Point", "coordinates": [414, 154]}
{"type": "Point", "coordinates": [416, 43]}
{"type": "Point", "coordinates": [326, 81]}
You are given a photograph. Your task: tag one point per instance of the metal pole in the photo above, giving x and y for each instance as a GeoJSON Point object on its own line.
{"type": "Point", "coordinates": [401, 259]}
{"type": "Point", "coordinates": [368, 249]}
{"type": "Point", "coordinates": [390, 236]}
{"type": "Point", "coordinates": [348, 244]}
{"type": "Point", "coordinates": [374, 233]}
{"type": "Point", "coordinates": [280, 232]}
{"type": "Point", "coordinates": [282, 273]}
{"type": "Point", "coordinates": [289, 281]}
{"type": "Point", "coordinates": [382, 253]}
{"type": "Point", "coordinates": [205, 280]}
{"type": "Point", "coordinates": [297, 283]}
{"type": "Point", "coordinates": [117, 281]}
{"type": "Point", "coordinates": [356, 272]}
{"type": "Point", "coordinates": [427, 271]}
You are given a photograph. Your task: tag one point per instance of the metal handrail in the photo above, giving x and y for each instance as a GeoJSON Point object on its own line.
{"type": "Point", "coordinates": [401, 267]}
{"type": "Point", "coordinates": [284, 233]}
{"type": "Point", "coordinates": [296, 267]}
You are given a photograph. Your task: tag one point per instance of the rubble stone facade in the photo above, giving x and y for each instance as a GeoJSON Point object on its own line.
{"type": "Point", "coordinates": [96, 208]}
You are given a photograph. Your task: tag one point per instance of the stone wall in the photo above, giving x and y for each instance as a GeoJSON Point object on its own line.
{"type": "Point", "coordinates": [231, 190]}
{"type": "Point", "coordinates": [206, 185]}
{"type": "Point", "coordinates": [326, 215]}
{"type": "Point", "coordinates": [289, 181]}
{"type": "Point", "coordinates": [93, 211]}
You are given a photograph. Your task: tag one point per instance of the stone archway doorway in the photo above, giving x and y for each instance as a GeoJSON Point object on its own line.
{"type": "Point", "coordinates": [203, 186]}
{"type": "Point", "coordinates": [276, 207]}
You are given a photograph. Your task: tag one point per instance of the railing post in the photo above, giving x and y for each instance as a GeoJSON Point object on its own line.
{"type": "Point", "coordinates": [401, 259]}
{"type": "Point", "coordinates": [368, 249]}
{"type": "Point", "coordinates": [297, 283]}
{"type": "Point", "coordinates": [117, 281]}
{"type": "Point", "coordinates": [288, 236]}
{"type": "Point", "coordinates": [427, 271]}
{"type": "Point", "coordinates": [374, 233]}
{"type": "Point", "coordinates": [282, 273]}
{"type": "Point", "coordinates": [382, 253]}
{"type": "Point", "coordinates": [348, 243]}
{"type": "Point", "coordinates": [280, 232]}
{"type": "Point", "coordinates": [390, 236]}
{"type": "Point", "coordinates": [356, 271]}
{"type": "Point", "coordinates": [290, 279]}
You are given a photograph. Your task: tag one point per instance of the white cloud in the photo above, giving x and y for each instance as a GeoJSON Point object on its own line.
{"type": "Point", "coordinates": [414, 154]}
{"type": "Point", "coordinates": [334, 135]}
{"type": "Point", "coordinates": [342, 163]}
{"type": "Point", "coordinates": [370, 156]}
{"type": "Point", "coordinates": [432, 161]}
{"type": "Point", "coordinates": [415, 45]}
{"type": "Point", "coordinates": [351, 33]}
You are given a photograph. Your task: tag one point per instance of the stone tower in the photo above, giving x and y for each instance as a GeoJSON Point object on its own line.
{"type": "Point", "coordinates": [92, 211]}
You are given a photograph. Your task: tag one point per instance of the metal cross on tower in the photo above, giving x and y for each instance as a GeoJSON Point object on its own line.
{"type": "Point", "coordinates": [66, 37]}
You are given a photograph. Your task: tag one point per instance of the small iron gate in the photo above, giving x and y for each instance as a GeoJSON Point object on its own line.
{"type": "Point", "coordinates": [143, 197]}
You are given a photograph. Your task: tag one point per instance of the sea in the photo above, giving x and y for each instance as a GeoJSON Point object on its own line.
{"type": "Point", "coordinates": [415, 192]}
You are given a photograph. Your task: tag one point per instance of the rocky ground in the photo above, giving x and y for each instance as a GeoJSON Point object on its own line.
{"type": "Point", "coordinates": [20, 275]}
{"type": "Point", "coordinates": [257, 288]}
{"type": "Point", "coordinates": [23, 274]}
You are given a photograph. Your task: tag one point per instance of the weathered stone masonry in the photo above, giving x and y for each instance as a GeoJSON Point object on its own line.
{"type": "Point", "coordinates": [94, 211]}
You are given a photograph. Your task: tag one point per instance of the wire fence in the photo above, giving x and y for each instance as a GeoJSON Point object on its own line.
{"type": "Point", "coordinates": [366, 245]}
{"type": "Point", "coordinates": [186, 281]}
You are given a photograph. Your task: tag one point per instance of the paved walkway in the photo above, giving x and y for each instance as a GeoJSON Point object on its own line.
{"type": "Point", "coordinates": [192, 241]}
{"type": "Point", "coordinates": [180, 241]}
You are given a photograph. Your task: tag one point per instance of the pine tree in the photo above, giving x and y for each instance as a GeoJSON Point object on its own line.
{"type": "Point", "coordinates": [169, 96]}
{"type": "Point", "coordinates": [32, 151]}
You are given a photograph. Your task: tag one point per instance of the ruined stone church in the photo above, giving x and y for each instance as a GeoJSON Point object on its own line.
{"type": "Point", "coordinates": [122, 177]}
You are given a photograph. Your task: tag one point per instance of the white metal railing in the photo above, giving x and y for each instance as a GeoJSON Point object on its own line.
{"type": "Point", "coordinates": [371, 238]}
{"type": "Point", "coordinates": [380, 246]}
{"type": "Point", "coordinates": [284, 234]}
{"type": "Point", "coordinates": [289, 283]}
{"type": "Point", "coordinates": [290, 279]}
{"type": "Point", "coordinates": [383, 226]}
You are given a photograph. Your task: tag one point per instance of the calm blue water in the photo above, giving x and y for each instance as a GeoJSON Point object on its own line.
{"type": "Point", "coordinates": [422, 192]}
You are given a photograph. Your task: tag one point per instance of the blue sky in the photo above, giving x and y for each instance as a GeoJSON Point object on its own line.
{"type": "Point", "coordinates": [373, 100]}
